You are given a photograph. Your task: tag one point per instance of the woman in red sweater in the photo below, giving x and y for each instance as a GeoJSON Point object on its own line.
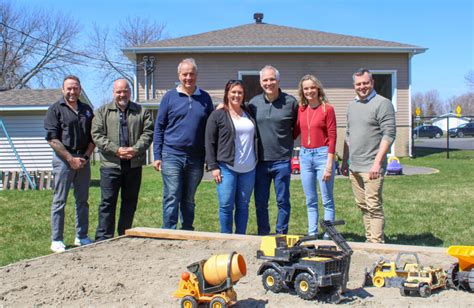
{"type": "Point", "coordinates": [317, 125]}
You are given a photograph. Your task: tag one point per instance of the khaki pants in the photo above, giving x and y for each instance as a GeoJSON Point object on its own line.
{"type": "Point", "coordinates": [368, 197]}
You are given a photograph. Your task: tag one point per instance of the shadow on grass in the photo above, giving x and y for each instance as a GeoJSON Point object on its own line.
{"type": "Point", "coordinates": [422, 239]}
{"type": "Point", "coordinates": [95, 183]}
{"type": "Point", "coordinates": [426, 151]}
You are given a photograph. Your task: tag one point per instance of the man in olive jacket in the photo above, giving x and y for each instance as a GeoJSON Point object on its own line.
{"type": "Point", "coordinates": [122, 131]}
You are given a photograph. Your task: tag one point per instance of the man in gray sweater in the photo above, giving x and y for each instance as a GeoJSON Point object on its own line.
{"type": "Point", "coordinates": [370, 133]}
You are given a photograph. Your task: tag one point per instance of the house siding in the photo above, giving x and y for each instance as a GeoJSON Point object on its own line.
{"type": "Point", "coordinates": [334, 70]}
{"type": "Point", "coordinates": [27, 133]}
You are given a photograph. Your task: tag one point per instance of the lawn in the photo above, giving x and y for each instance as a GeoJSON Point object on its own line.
{"type": "Point", "coordinates": [433, 210]}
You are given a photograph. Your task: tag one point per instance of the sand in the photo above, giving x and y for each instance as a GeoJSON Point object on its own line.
{"type": "Point", "coordinates": [145, 272]}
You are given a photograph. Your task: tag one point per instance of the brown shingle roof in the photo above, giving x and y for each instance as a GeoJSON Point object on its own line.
{"type": "Point", "coordinates": [29, 97]}
{"type": "Point", "coordinates": [270, 35]}
{"type": "Point", "coordinates": [33, 97]}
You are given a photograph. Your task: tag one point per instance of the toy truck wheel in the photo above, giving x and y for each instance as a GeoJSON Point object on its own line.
{"type": "Point", "coordinates": [188, 302]}
{"type": "Point", "coordinates": [404, 292]}
{"type": "Point", "coordinates": [378, 281]}
{"type": "Point", "coordinates": [471, 280]}
{"type": "Point", "coordinates": [425, 291]}
{"type": "Point", "coordinates": [218, 302]}
{"type": "Point", "coordinates": [453, 280]}
{"type": "Point", "coordinates": [306, 286]}
{"type": "Point", "coordinates": [272, 280]}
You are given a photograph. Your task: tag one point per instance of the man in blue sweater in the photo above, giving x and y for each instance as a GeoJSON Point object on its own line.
{"type": "Point", "coordinates": [179, 145]}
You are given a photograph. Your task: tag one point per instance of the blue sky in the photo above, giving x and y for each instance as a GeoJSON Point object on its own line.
{"type": "Point", "coordinates": [446, 27]}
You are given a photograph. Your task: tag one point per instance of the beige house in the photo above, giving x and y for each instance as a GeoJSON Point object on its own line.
{"type": "Point", "coordinates": [240, 52]}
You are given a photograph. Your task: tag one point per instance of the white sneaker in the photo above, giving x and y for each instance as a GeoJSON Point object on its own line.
{"type": "Point", "coordinates": [82, 241]}
{"type": "Point", "coordinates": [58, 246]}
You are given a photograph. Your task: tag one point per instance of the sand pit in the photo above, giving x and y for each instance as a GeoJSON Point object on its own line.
{"type": "Point", "coordinates": [145, 272]}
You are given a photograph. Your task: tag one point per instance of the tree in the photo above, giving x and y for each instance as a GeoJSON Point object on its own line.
{"type": "Point", "coordinates": [430, 103]}
{"type": "Point", "coordinates": [131, 32]}
{"type": "Point", "coordinates": [35, 45]}
{"type": "Point", "coordinates": [469, 77]}
{"type": "Point", "coordinates": [466, 102]}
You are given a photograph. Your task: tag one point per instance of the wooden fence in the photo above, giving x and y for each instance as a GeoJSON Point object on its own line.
{"type": "Point", "coordinates": [16, 180]}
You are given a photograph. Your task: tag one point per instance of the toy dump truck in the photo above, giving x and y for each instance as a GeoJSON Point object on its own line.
{"type": "Point", "coordinates": [461, 274]}
{"type": "Point", "coordinates": [423, 280]}
{"type": "Point", "coordinates": [292, 262]}
{"type": "Point", "coordinates": [211, 281]}
{"type": "Point", "coordinates": [389, 273]}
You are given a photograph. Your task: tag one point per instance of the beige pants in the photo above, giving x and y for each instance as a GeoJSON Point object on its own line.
{"type": "Point", "coordinates": [368, 197]}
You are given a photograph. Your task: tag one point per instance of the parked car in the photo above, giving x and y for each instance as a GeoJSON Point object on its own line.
{"type": "Point", "coordinates": [429, 131]}
{"type": "Point", "coordinates": [466, 129]}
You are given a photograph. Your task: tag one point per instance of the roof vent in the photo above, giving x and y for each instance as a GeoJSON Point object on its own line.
{"type": "Point", "coordinates": [258, 18]}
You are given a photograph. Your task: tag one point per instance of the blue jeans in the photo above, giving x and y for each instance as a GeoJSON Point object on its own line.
{"type": "Point", "coordinates": [181, 177]}
{"type": "Point", "coordinates": [234, 192]}
{"type": "Point", "coordinates": [280, 172]}
{"type": "Point", "coordinates": [64, 177]}
{"type": "Point", "coordinates": [313, 162]}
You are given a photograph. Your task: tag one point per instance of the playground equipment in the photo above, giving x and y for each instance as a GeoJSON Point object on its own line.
{"type": "Point", "coordinates": [389, 273]}
{"type": "Point", "coordinates": [393, 166]}
{"type": "Point", "coordinates": [305, 268]}
{"type": "Point", "coordinates": [461, 274]}
{"type": "Point", "coordinates": [211, 281]}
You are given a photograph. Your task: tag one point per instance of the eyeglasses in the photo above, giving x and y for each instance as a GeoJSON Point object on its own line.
{"type": "Point", "coordinates": [234, 81]}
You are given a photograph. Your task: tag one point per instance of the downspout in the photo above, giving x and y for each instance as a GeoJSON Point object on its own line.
{"type": "Point", "coordinates": [135, 87]}
{"type": "Point", "coordinates": [410, 109]}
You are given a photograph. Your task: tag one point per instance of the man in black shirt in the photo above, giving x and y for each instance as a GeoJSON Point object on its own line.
{"type": "Point", "coordinates": [68, 131]}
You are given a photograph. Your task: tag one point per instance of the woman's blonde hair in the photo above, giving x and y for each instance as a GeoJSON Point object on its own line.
{"type": "Point", "coordinates": [303, 102]}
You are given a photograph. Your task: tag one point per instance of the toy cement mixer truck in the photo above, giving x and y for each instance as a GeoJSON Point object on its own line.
{"type": "Point", "coordinates": [211, 281]}
{"type": "Point", "coordinates": [461, 274]}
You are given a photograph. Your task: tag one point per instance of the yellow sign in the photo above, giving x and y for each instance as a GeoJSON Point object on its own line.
{"type": "Point", "coordinates": [417, 111]}
{"type": "Point", "coordinates": [458, 110]}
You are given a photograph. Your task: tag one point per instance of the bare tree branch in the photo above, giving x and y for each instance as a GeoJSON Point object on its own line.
{"type": "Point", "coordinates": [35, 45]}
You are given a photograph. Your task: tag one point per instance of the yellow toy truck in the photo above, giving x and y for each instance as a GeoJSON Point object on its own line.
{"type": "Point", "coordinates": [211, 281]}
{"type": "Point", "coordinates": [461, 274]}
{"type": "Point", "coordinates": [292, 263]}
{"type": "Point", "coordinates": [389, 273]}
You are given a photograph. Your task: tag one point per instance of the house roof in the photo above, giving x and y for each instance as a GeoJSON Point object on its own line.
{"type": "Point", "coordinates": [32, 99]}
{"type": "Point", "coordinates": [263, 37]}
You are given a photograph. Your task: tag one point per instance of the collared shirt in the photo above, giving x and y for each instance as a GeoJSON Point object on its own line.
{"type": "Point", "coordinates": [368, 98]}
{"type": "Point", "coordinates": [71, 127]}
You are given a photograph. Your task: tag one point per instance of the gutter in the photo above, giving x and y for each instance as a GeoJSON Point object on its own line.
{"type": "Point", "coordinates": [130, 52]}
{"type": "Point", "coordinates": [23, 108]}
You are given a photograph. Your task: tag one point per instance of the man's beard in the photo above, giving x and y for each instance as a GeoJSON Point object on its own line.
{"type": "Point", "coordinates": [122, 103]}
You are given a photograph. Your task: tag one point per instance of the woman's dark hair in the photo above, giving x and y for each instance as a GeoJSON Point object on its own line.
{"type": "Point", "coordinates": [230, 84]}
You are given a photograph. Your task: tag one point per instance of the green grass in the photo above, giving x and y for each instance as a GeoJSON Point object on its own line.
{"type": "Point", "coordinates": [434, 210]}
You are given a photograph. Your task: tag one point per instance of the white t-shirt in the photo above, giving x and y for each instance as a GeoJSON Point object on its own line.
{"type": "Point", "coordinates": [245, 159]}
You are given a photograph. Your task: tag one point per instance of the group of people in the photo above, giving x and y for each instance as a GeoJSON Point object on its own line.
{"type": "Point", "coordinates": [245, 143]}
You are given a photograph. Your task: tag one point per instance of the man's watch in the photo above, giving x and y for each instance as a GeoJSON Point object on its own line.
{"type": "Point", "coordinates": [86, 157]}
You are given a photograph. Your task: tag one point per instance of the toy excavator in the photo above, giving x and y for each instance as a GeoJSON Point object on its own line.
{"type": "Point", "coordinates": [389, 273]}
{"type": "Point", "coordinates": [211, 281]}
{"type": "Point", "coordinates": [290, 261]}
{"type": "Point", "coordinates": [461, 274]}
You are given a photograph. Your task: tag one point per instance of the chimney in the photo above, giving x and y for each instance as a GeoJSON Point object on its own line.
{"type": "Point", "coordinates": [258, 18]}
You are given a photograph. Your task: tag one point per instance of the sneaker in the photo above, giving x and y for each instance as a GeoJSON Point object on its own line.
{"type": "Point", "coordinates": [82, 241]}
{"type": "Point", "coordinates": [58, 246]}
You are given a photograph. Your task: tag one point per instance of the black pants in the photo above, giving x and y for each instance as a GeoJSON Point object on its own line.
{"type": "Point", "coordinates": [113, 180]}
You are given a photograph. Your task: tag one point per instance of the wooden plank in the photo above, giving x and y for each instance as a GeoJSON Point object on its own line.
{"type": "Point", "coordinates": [41, 180]}
{"type": "Point", "coordinates": [49, 179]}
{"type": "Point", "coordinates": [207, 236]}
